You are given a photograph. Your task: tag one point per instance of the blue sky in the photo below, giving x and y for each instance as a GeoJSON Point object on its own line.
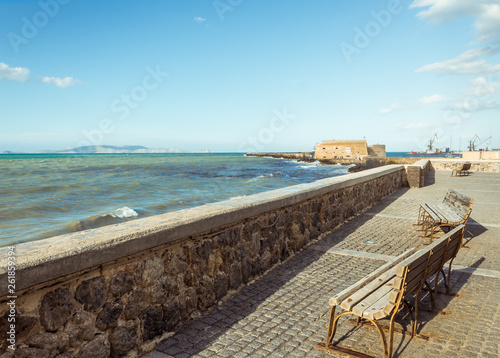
{"type": "Point", "coordinates": [240, 75]}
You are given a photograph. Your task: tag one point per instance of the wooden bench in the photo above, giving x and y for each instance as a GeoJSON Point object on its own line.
{"type": "Point", "coordinates": [386, 291]}
{"type": "Point", "coordinates": [453, 211]}
{"type": "Point", "coordinates": [463, 170]}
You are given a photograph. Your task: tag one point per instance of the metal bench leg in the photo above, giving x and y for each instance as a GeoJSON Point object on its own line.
{"type": "Point", "coordinates": [433, 296]}
{"type": "Point", "coordinates": [382, 336]}
{"type": "Point", "coordinates": [410, 313]}
{"type": "Point", "coordinates": [331, 326]}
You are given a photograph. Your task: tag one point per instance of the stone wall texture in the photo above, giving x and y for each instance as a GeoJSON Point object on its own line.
{"type": "Point", "coordinates": [491, 166]}
{"type": "Point", "coordinates": [122, 308]}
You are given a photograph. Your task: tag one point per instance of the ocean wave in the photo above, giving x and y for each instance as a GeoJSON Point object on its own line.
{"type": "Point", "coordinates": [260, 177]}
{"type": "Point", "coordinates": [123, 213]}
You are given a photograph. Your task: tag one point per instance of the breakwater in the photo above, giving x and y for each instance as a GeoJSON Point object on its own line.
{"type": "Point", "coordinates": [367, 162]}
{"type": "Point", "coordinates": [118, 290]}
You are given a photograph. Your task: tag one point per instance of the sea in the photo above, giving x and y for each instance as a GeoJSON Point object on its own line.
{"type": "Point", "coordinates": [46, 195]}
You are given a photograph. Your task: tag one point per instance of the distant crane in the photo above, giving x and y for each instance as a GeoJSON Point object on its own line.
{"type": "Point", "coordinates": [484, 142]}
{"type": "Point", "coordinates": [472, 145]}
{"type": "Point", "coordinates": [431, 142]}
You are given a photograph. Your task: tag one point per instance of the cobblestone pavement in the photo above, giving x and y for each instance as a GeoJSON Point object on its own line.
{"type": "Point", "coordinates": [285, 313]}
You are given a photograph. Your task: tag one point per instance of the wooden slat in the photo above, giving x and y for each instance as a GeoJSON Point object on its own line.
{"type": "Point", "coordinates": [415, 259]}
{"type": "Point", "coordinates": [369, 306]}
{"type": "Point", "coordinates": [358, 296]}
{"type": "Point", "coordinates": [338, 298]}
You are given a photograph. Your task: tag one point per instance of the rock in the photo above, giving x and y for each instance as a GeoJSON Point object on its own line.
{"type": "Point", "coordinates": [108, 317]}
{"type": "Point", "coordinates": [235, 276]}
{"type": "Point", "coordinates": [246, 270]}
{"type": "Point", "coordinates": [30, 352]}
{"type": "Point", "coordinates": [265, 261]}
{"type": "Point", "coordinates": [171, 314]}
{"type": "Point", "coordinates": [152, 270]}
{"type": "Point", "coordinates": [63, 343]}
{"type": "Point", "coordinates": [123, 339]}
{"type": "Point", "coordinates": [47, 341]}
{"type": "Point", "coordinates": [121, 284]}
{"type": "Point", "coordinates": [91, 293]}
{"type": "Point", "coordinates": [188, 302]}
{"type": "Point", "coordinates": [156, 292]}
{"type": "Point", "coordinates": [221, 285]}
{"type": "Point", "coordinates": [65, 355]}
{"type": "Point", "coordinates": [79, 328]}
{"type": "Point", "coordinates": [205, 249]}
{"type": "Point", "coordinates": [6, 355]}
{"type": "Point", "coordinates": [24, 324]}
{"type": "Point", "coordinates": [176, 265]}
{"type": "Point", "coordinates": [136, 304]}
{"type": "Point", "coordinates": [152, 322]}
{"type": "Point", "coordinates": [98, 347]}
{"type": "Point", "coordinates": [55, 309]}
{"type": "Point", "coordinates": [205, 292]}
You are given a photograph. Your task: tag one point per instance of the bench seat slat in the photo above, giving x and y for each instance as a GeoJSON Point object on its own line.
{"type": "Point", "coordinates": [374, 303]}
{"type": "Point", "coordinates": [358, 296]}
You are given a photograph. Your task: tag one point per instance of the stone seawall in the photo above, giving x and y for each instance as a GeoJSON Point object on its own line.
{"type": "Point", "coordinates": [490, 166]}
{"type": "Point", "coordinates": [116, 291]}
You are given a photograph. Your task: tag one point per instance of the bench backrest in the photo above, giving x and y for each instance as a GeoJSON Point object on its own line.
{"type": "Point", "coordinates": [465, 166]}
{"type": "Point", "coordinates": [458, 202]}
{"type": "Point", "coordinates": [412, 272]}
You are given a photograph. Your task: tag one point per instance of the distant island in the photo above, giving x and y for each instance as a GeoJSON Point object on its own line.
{"type": "Point", "coordinates": [111, 149]}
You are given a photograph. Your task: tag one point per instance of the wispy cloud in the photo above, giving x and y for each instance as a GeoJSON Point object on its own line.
{"type": "Point", "coordinates": [393, 107]}
{"type": "Point", "coordinates": [473, 106]}
{"type": "Point", "coordinates": [467, 63]}
{"type": "Point", "coordinates": [432, 99]}
{"type": "Point", "coordinates": [19, 74]}
{"type": "Point", "coordinates": [61, 82]}
{"type": "Point", "coordinates": [486, 14]}
{"type": "Point", "coordinates": [417, 125]}
{"type": "Point", "coordinates": [199, 19]}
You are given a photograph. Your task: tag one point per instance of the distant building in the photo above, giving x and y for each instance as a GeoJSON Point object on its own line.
{"type": "Point", "coordinates": [348, 149]}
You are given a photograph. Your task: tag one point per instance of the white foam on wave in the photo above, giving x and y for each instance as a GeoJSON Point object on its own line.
{"type": "Point", "coordinates": [123, 213]}
{"type": "Point", "coordinates": [270, 175]}
{"type": "Point", "coordinates": [308, 165]}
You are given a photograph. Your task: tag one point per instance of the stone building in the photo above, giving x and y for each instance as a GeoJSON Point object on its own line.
{"type": "Point", "coordinates": [349, 149]}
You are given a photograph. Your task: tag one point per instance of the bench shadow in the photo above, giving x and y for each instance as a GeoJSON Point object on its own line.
{"type": "Point", "coordinates": [200, 333]}
{"type": "Point", "coordinates": [473, 229]}
{"type": "Point", "coordinates": [458, 280]}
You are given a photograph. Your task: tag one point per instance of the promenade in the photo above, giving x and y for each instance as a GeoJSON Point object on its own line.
{"type": "Point", "coordinates": [285, 313]}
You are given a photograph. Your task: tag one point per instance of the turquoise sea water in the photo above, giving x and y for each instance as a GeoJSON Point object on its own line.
{"type": "Point", "coordinates": [45, 195]}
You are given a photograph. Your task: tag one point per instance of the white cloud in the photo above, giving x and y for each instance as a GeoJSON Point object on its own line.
{"type": "Point", "coordinates": [432, 99]}
{"type": "Point", "coordinates": [486, 14]}
{"type": "Point", "coordinates": [473, 105]}
{"type": "Point", "coordinates": [199, 19]}
{"type": "Point", "coordinates": [61, 82]}
{"type": "Point", "coordinates": [19, 74]}
{"type": "Point", "coordinates": [467, 63]}
{"type": "Point", "coordinates": [393, 107]}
